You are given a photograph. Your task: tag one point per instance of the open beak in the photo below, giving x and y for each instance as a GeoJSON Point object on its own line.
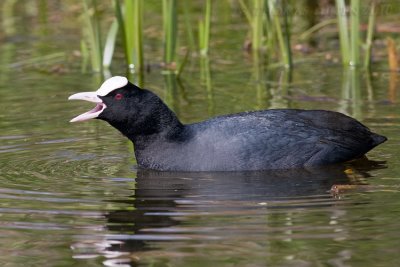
{"type": "Point", "coordinates": [91, 97]}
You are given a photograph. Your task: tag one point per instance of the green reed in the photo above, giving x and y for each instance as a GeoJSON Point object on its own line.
{"type": "Point", "coordinates": [355, 33]}
{"type": "Point", "coordinates": [188, 25]}
{"type": "Point", "coordinates": [350, 33]}
{"type": "Point", "coordinates": [343, 31]}
{"type": "Point", "coordinates": [170, 30]}
{"type": "Point", "coordinates": [92, 44]}
{"type": "Point", "coordinates": [370, 35]}
{"type": "Point", "coordinates": [268, 23]}
{"type": "Point", "coordinates": [269, 28]}
{"type": "Point", "coordinates": [281, 26]}
{"type": "Point", "coordinates": [109, 45]}
{"type": "Point", "coordinates": [133, 21]}
{"type": "Point", "coordinates": [204, 30]}
{"type": "Point", "coordinates": [255, 19]}
{"type": "Point", "coordinates": [91, 32]}
{"type": "Point", "coordinates": [257, 24]}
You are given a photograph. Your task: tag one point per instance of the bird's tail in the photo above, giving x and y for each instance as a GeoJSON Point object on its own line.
{"type": "Point", "coordinates": [378, 139]}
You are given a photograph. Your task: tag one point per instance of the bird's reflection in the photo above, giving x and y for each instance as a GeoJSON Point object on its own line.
{"type": "Point", "coordinates": [158, 197]}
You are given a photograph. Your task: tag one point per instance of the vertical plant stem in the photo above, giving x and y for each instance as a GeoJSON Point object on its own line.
{"type": "Point", "coordinates": [96, 23]}
{"type": "Point", "coordinates": [245, 10]}
{"type": "Point", "coordinates": [93, 35]}
{"type": "Point", "coordinates": [204, 30]}
{"type": "Point", "coordinates": [343, 32]}
{"type": "Point", "coordinates": [370, 35]}
{"type": "Point", "coordinates": [281, 39]}
{"type": "Point", "coordinates": [121, 26]}
{"type": "Point", "coordinates": [97, 33]}
{"type": "Point", "coordinates": [355, 33]}
{"type": "Point", "coordinates": [189, 29]}
{"type": "Point", "coordinates": [269, 28]}
{"type": "Point", "coordinates": [201, 36]}
{"type": "Point", "coordinates": [110, 44]}
{"type": "Point", "coordinates": [288, 50]}
{"type": "Point", "coordinates": [257, 25]}
{"type": "Point", "coordinates": [170, 30]}
{"type": "Point", "coordinates": [138, 35]}
{"type": "Point", "coordinates": [129, 29]}
{"type": "Point", "coordinates": [207, 25]}
{"type": "Point", "coordinates": [134, 34]}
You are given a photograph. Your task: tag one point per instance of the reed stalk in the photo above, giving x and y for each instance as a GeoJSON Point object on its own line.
{"type": "Point", "coordinates": [282, 37]}
{"type": "Point", "coordinates": [133, 21]}
{"type": "Point", "coordinates": [255, 19]}
{"type": "Point", "coordinates": [170, 30]}
{"type": "Point", "coordinates": [92, 33]}
{"type": "Point", "coordinates": [110, 44]}
{"type": "Point", "coordinates": [370, 35]}
{"type": "Point", "coordinates": [287, 56]}
{"type": "Point", "coordinates": [306, 34]}
{"type": "Point", "coordinates": [204, 30]}
{"type": "Point", "coordinates": [121, 27]}
{"type": "Point", "coordinates": [343, 32]}
{"type": "Point", "coordinates": [270, 33]}
{"type": "Point", "coordinates": [265, 23]}
{"type": "Point", "coordinates": [128, 21]}
{"type": "Point", "coordinates": [350, 41]}
{"type": "Point", "coordinates": [138, 35]}
{"type": "Point", "coordinates": [257, 24]}
{"type": "Point", "coordinates": [355, 33]}
{"type": "Point", "coordinates": [188, 26]}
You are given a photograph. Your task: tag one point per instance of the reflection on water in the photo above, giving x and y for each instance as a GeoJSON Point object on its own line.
{"type": "Point", "coordinates": [173, 214]}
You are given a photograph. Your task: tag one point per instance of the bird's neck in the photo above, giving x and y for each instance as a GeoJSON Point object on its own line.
{"type": "Point", "coordinates": [155, 123]}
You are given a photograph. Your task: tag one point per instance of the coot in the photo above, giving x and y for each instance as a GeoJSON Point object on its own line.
{"type": "Point", "coordinates": [258, 140]}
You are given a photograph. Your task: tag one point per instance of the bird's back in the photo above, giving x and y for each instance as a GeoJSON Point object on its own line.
{"type": "Point", "coordinates": [270, 139]}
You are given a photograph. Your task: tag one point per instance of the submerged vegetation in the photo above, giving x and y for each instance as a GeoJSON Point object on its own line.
{"type": "Point", "coordinates": [272, 27]}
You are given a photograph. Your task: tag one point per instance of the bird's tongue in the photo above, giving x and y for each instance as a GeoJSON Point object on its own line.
{"type": "Point", "coordinates": [93, 113]}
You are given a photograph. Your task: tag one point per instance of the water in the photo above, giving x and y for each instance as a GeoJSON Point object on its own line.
{"type": "Point", "coordinates": [71, 194]}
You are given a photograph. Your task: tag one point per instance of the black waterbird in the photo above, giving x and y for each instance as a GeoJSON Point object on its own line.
{"type": "Point", "coordinates": [258, 140]}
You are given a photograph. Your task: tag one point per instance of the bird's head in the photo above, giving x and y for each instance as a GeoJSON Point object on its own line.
{"type": "Point", "coordinates": [128, 108]}
{"type": "Point", "coordinates": [116, 100]}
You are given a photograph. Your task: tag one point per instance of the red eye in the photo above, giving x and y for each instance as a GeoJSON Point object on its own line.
{"type": "Point", "coordinates": [118, 96]}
